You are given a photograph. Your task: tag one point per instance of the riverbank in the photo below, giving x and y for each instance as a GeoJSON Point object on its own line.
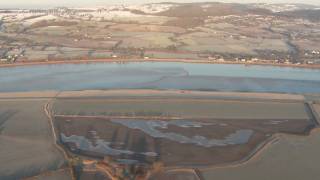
{"type": "Point", "coordinates": [126, 60]}
{"type": "Point", "coordinates": [149, 92]}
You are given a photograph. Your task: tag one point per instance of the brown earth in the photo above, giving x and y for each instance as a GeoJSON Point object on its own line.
{"type": "Point", "coordinates": [172, 153]}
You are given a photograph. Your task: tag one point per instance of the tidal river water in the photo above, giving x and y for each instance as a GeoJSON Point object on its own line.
{"type": "Point", "coordinates": [160, 75]}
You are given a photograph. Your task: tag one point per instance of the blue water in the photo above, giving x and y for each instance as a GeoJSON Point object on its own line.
{"type": "Point", "coordinates": [160, 75]}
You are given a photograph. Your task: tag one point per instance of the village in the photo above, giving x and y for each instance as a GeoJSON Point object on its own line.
{"type": "Point", "coordinates": [156, 32]}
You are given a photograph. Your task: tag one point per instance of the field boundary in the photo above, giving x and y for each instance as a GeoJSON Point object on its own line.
{"type": "Point", "coordinates": [48, 113]}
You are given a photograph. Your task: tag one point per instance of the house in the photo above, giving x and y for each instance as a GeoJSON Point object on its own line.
{"type": "Point", "coordinates": [310, 62]}
{"type": "Point", "coordinates": [220, 60]}
{"type": "Point", "coordinates": [287, 61]}
{"type": "Point", "coordinates": [254, 59]}
{"type": "Point", "coordinates": [211, 58]}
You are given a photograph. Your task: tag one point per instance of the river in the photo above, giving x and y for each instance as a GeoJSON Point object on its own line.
{"type": "Point", "coordinates": [160, 75]}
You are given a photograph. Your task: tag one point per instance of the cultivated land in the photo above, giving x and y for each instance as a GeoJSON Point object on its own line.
{"type": "Point", "coordinates": [209, 32]}
{"type": "Point", "coordinates": [215, 119]}
{"type": "Point", "coordinates": [184, 107]}
{"type": "Point", "coordinates": [27, 147]}
{"type": "Point", "coordinates": [103, 132]}
{"type": "Point", "coordinates": [317, 109]}
{"type": "Point", "coordinates": [291, 157]}
{"type": "Point", "coordinates": [61, 174]}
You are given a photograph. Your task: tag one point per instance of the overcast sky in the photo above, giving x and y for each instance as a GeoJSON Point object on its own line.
{"type": "Point", "coordinates": [80, 3]}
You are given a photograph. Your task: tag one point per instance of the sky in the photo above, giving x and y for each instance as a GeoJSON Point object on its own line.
{"type": "Point", "coordinates": [81, 3]}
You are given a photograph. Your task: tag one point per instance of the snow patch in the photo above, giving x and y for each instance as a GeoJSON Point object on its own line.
{"type": "Point", "coordinates": [41, 18]}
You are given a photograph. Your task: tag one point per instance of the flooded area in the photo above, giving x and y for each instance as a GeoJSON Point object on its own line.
{"type": "Point", "coordinates": [173, 142]}
{"type": "Point", "coordinates": [92, 143]}
{"type": "Point", "coordinates": [175, 130]}
{"type": "Point", "coordinates": [100, 146]}
{"type": "Point", "coordinates": [160, 75]}
{"type": "Point", "coordinates": [150, 127]}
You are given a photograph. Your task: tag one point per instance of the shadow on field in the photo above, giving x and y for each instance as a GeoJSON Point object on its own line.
{"type": "Point", "coordinates": [4, 117]}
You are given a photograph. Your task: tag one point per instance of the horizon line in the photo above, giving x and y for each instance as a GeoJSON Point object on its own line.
{"type": "Point", "coordinates": [28, 6]}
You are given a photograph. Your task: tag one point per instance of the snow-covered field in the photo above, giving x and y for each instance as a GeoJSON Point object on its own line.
{"type": "Point", "coordinates": [130, 12]}
{"type": "Point", "coordinates": [283, 7]}
{"type": "Point", "coordinates": [117, 12]}
{"type": "Point", "coordinates": [152, 8]}
{"type": "Point", "coordinates": [40, 18]}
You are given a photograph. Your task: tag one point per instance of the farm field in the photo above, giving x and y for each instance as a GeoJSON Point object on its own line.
{"type": "Point", "coordinates": [317, 108]}
{"type": "Point", "coordinates": [291, 157]}
{"type": "Point", "coordinates": [178, 131]}
{"type": "Point", "coordinates": [160, 129]}
{"type": "Point", "coordinates": [215, 32]}
{"type": "Point", "coordinates": [26, 141]}
{"type": "Point", "coordinates": [61, 174]}
{"type": "Point", "coordinates": [181, 107]}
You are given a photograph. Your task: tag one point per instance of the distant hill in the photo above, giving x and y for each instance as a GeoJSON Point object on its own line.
{"type": "Point", "coordinates": [212, 9]}
{"type": "Point", "coordinates": [203, 10]}
{"type": "Point", "coordinates": [309, 14]}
